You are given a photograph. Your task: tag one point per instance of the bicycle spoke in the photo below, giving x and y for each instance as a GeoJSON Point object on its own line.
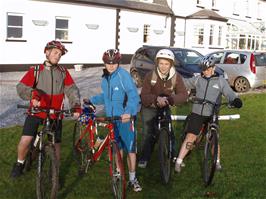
{"type": "Point", "coordinates": [117, 173]}
{"type": "Point", "coordinates": [47, 174]}
{"type": "Point", "coordinates": [164, 155]}
{"type": "Point", "coordinates": [210, 157]}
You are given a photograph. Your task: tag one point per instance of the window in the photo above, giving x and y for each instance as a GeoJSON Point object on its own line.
{"type": "Point", "coordinates": [198, 34]}
{"type": "Point", "coordinates": [218, 56]}
{"type": "Point", "coordinates": [220, 35]}
{"type": "Point", "coordinates": [242, 41]}
{"type": "Point", "coordinates": [146, 33]}
{"type": "Point", "coordinates": [211, 35]}
{"type": "Point", "coordinates": [14, 26]}
{"type": "Point", "coordinates": [231, 58]}
{"type": "Point", "coordinates": [61, 29]}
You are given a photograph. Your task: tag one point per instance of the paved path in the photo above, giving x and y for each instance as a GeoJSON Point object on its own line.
{"type": "Point", "coordinates": [87, 80]}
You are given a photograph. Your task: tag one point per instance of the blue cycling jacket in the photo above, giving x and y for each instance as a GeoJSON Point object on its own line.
{"type": "Point", "coordinates": [114, 89]}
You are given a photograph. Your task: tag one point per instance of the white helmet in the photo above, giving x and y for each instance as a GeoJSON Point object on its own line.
{"type": "Point", "coordinates": [166, 54]}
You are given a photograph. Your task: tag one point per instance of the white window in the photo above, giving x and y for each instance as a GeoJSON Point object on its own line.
{"type": "Point", "coordinates": [198, 34]}
{"type": "Point", "coordinates": [14, 26]}
{"type": "Point", "coordinates": [146, 33]}
{"type": "Point", "coordinates": [211, 35]}
{"type": "Point", "coordinates": [62, 28]}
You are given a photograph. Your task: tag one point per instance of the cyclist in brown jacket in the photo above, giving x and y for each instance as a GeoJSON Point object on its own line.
{"type": "Point", "coordinates": [161, 87]}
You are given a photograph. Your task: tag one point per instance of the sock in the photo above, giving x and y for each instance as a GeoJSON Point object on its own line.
{"type": "Point", "coordinates": [21, 161]}
{"type": "Point", "coordinates": [217, 161]}
{"type": "Point", "coordinates": [132, 176]}
{"type": "Point", "coordinates": [179, 161]}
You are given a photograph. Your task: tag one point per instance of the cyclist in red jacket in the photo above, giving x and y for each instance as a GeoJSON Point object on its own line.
{"type": "Point", "coordinates": [45, 86]}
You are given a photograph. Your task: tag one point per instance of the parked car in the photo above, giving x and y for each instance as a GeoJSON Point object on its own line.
{"type": "Point", "coordinates": [245, 69]}
{"type": "Point", "coordinates": [186, 62]}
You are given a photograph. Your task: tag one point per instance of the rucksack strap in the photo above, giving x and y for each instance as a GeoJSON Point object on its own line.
{"type": "Point", "coordinates": [36, 75]}
{"type": "Point", "coordinates": [155, 76]}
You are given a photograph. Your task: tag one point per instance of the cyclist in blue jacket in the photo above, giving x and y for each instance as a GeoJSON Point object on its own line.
{"type": "Point", "coordinates": [120, 98]}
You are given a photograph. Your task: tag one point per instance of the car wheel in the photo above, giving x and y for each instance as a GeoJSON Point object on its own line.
{"type": "Point", "coordinates": [241, 84]}
{"type": "Point", "coordinates": [136, 78]}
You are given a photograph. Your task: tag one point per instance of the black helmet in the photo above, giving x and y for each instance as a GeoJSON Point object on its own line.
{"type": "Point", "coordinates": [207, 62]}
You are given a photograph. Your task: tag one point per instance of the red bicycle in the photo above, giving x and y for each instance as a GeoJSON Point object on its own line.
{"type": "Point", "coordinates": [86, 151]}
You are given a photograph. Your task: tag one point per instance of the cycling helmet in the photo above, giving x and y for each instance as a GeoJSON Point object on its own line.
{"type": "Point", "coordinates": [55, 44]}
{"type": "Point", "coordinates": [165, 54]}
{"type": "Point", "coordinates": [111, 56]}
{"type": "Point", "coordinates": [207, 62]}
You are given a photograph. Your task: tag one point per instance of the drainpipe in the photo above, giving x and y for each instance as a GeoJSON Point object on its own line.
{"type": "Point", "coordinates": [117, 31]}
{"type": "Point", "coordinates": [185, 26]}
{"type": "Point", "coordinates": [172, 31]}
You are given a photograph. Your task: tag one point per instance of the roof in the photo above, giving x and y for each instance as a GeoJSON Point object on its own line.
{"type": "Point", "coordinates": [207, 14]}
{"type": "Point", "coordinates": [159, 6]}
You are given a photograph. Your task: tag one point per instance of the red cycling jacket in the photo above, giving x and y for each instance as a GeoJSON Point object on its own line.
{"type": "Point", "coordinates": [53, 84]}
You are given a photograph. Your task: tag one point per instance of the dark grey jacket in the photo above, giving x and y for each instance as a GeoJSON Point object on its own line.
{"type": "Point", "coordinates": [210, 89]}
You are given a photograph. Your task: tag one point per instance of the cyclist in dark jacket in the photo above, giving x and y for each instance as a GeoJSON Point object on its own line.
{"type": "Point", "coordinates": [161, 87]}
{"type": "Point", "coordinates": [45, 86]}
{"type": "Point", "coordinates": [209, 86]}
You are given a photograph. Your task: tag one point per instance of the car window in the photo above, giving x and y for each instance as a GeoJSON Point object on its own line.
{"type": "Point", "coordinates": [218, 56]}
{"type": "Point", "coordinates": [187, 56]}
{"type": "Point", "coordinates": [231, 58]}
{"type": "Point", "coordinates": [260, 59]}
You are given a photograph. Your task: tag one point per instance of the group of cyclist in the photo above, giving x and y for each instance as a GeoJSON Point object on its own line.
{"type": "Point", "coordinates": [162, 87]}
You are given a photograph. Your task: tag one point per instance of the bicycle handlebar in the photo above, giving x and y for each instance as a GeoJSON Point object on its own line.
{"type": "Point", "coordinates": [45, 110]}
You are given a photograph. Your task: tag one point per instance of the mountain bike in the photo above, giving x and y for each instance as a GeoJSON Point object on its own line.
{"type": "Point", "coordinates": [88, 151]}
{"type": "Point", "coordinates": [43, 149]}
{"type": "Point", "coordinates": [164, 128]}
{"type": "Point", "coordinates": [208, 137]}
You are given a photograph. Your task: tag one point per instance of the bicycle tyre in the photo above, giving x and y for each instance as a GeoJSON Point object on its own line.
{"type": "Point", "coordinates": [47, 173]}
{"type": "Point", "coordinates": [118, 181]}
{"type": "Point", "coordinates": [164, 153]}
{"type": "Point", "coordinates": [81, 156]}
{"type": "Point", "coordinates": [210, 157]}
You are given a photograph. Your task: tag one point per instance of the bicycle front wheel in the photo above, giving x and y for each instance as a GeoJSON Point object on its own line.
{"type": "Point", "coordinates": [47, 174]}
{"type": "Point", "coordinates": [81, 150]}
{"type": "Point", "coordinates": [210, 156]}
{"type": "Point", "coordinates": [117, 172]}
{"type": "Point", "coordinates": [164, 155]}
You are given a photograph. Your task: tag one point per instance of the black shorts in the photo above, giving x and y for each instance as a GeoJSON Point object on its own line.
{"type": "Point", "coordinates": [32, 123]}
{"type": "Point", "coordinates": [195, 123]}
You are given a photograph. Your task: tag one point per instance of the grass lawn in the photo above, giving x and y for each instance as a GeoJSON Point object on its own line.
{"type": "Point", "coordinates": [243, 159]}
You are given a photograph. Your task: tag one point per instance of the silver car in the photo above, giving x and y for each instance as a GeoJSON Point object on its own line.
{"type": "Point", "coordinates": [245, 69]}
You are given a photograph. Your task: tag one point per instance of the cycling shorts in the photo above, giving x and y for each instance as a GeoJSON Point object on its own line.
{"type": "Point", "coordinates": [195, 122]}
{"type": "Point", "coordinates": [32, 123]}
{"type": "Point", "coordinates": [125, 136]}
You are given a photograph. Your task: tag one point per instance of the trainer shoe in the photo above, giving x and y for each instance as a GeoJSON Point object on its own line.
{"type": "Point", "coordinates": [17, 170]}
{"type": "Point", "coordinates": [177, 167]}
{"type": "Point", "coordinates": [218, 166]}
{"type": "Point", "coordinates": [135, 185]}
{"type": "Point", "coordinates": [142, 164]}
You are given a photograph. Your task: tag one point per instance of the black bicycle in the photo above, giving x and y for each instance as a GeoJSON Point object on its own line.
{"type": "Point", "coordinates": [164, 128]}
{"type": "Point", "coordinates": [43, 149]}
{"type": "Point", "coordinates": [210, 133]}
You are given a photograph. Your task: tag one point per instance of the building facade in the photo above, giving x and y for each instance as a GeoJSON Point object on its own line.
{"type": "Point", "coordinates": [89, 27]}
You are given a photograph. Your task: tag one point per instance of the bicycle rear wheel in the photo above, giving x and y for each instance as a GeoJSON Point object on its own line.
{"type": "Point", "coordinates": [47, 174]}
{"type": "Point", "coordinates": [164, 155]}
{"type": "Point", "coordinates": [81, 151]}
{"type": "Point", "coordinates": [117, 172]}
{"type": "Point", "coordinates": [210, 157]}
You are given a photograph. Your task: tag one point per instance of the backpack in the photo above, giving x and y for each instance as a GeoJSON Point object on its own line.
{"type": "Point", "coordinates": [37, 74]}
{"type": "Point", "coordinates": [155, 76]}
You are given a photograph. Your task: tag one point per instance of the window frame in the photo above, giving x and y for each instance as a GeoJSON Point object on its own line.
{"type": "Point", "coordinates": [14, 14]}
{"type": "Point", "coordinates": [67, 30]}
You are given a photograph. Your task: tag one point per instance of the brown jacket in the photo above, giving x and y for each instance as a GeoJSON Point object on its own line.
{"type": "Point", "coordinates": [149, 92]}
